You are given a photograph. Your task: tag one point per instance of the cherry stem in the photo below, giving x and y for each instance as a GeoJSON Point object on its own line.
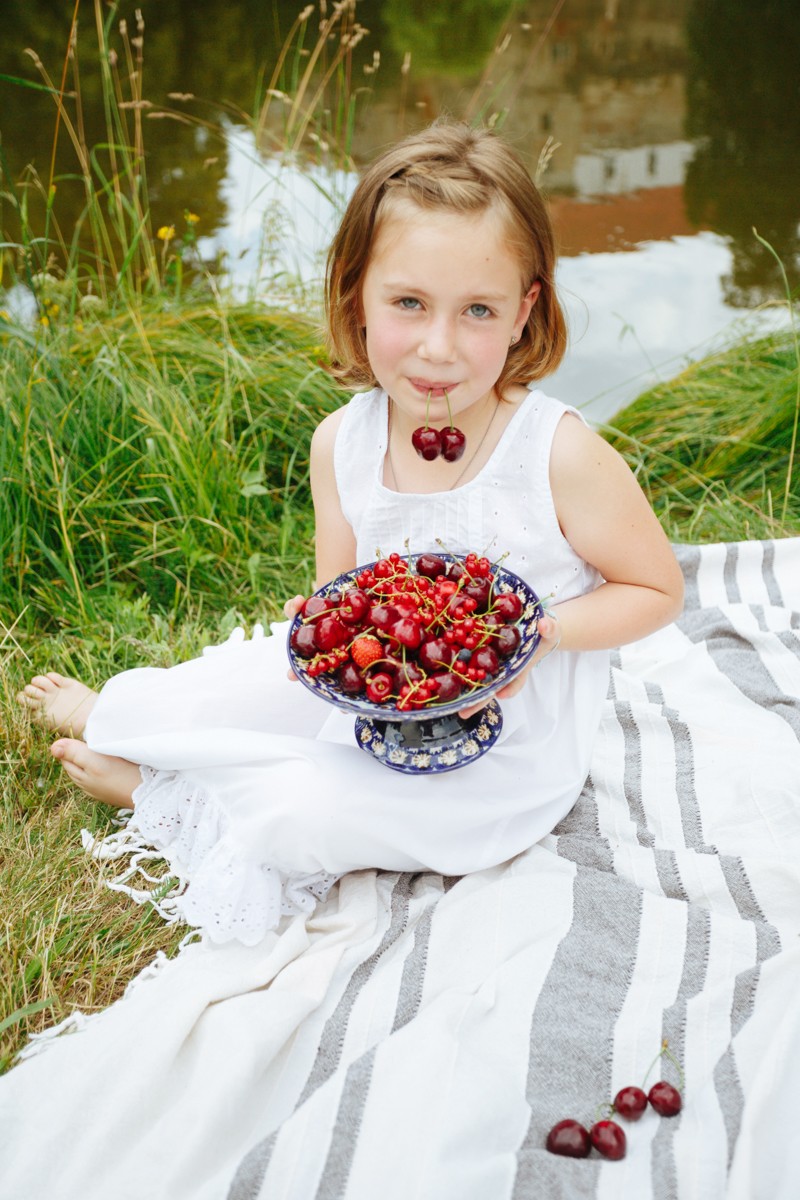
{"type": "Point", "coordinates": [665, 1052]}
{"type": "Point", "coordinates": [449, 410]}
{"type": "Point", "coordinates": [428, 408]}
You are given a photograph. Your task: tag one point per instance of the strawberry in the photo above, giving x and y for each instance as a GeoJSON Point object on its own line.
{"type": "Point", "coordinates": [365, 651]}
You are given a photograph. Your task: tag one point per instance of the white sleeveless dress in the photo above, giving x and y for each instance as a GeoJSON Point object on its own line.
{"type": "Point", "coordinates": [255, 789]}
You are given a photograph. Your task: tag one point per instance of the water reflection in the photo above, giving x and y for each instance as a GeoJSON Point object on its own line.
{"type": "Point", "coordinates": [664, 122]}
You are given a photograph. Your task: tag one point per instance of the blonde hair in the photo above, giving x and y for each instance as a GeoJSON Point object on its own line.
{"type": "Point", "coordinates": [461, 170]}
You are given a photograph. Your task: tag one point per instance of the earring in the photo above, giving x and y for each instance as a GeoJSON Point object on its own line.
{"type": "Point", "coordinates": [514, 339]}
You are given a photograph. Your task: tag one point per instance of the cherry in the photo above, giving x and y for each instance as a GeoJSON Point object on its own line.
{"type": "Point", "coordinates": [379, 687]}
{"type": "Point", "coordinates": [329, 633]}
{"type": "Point", "coordinates": [630, 1103]}
{"type": "Point", "coordinates": [447, 687]}
{"type": "Point", "coordinates": [508, 606]}
{"type": "Point", "coordinates": [506, 640]}
{"type": "Point", "coordinates": [570, 1139]}
{"type": "Point", "coordinates": [349, 679]}
{"type": "Point", "coordinates": [485, 659]}
{"type": "Point", "coordinates": [304, 642]}
{"type": "Point", "coordinates": [354, 606]}
{"type": "Point", "coordinates": [382, 616]}
{"type": "Point", "coordinates": [608, 1139]}
{"type": "Point", "coordinates": [665, 1099]}
{"type": "Point", "coordinates": [427, 442]}
{"type": "Point", "coordinates": [453, 443]}
{"type": "Point", "coordinates": [408, 631]}
{"type": "Point", "coordinates": [478, 590]}
{"type": "Point", "coordinates": [315, 605]}
{"type": "Point", "coordinates": [431, 566]}
{"type": "Point", "coordinates": [436, 652]}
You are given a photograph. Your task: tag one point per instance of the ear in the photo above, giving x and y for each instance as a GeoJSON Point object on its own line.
{"type": "Point", "coordinates": [526, 304]}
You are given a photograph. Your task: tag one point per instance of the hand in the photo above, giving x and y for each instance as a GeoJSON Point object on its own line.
{"type": "Point", "coordinates": [290, 609]}
{"type": "Point", "coordinates": [549, 638]}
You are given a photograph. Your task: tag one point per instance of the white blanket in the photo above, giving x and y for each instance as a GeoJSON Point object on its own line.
{"type": "Point", "coordinates": [418, 1035]}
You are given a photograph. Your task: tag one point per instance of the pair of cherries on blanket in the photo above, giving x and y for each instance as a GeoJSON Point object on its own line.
{"type": "Point", "coordinates": [573, 1140]}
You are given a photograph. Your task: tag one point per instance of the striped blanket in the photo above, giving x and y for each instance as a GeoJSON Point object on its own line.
{"type": "Point", "coordinates": [418, 1035]}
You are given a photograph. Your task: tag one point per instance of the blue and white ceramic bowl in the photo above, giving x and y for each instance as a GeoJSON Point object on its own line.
{"type": "Point", "coordinates": [433, 739]}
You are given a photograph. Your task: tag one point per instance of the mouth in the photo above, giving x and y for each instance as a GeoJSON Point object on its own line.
{"type": "Point", "coordinates": [435, 387]}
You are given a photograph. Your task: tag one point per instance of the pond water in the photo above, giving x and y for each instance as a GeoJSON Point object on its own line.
{"type": "Point", "coordinates": [668, 130]}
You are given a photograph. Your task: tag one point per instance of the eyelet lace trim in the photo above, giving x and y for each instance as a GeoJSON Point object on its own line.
{"type": "Point", "coordinates": [210, 883]}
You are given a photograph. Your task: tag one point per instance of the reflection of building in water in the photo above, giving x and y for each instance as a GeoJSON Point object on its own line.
{"type": "Point", "coordinates": [605, 82]}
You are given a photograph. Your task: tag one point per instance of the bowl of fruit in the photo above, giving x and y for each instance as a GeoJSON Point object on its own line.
{"type": "Point", "coordinates": [407, 642]}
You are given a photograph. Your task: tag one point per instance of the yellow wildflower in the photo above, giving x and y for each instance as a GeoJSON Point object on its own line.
{"type": "Point", "coordinates": [191, 218]}
{"type": "Point", "coordinates": [166, 233]}
{"type": "Point", "coordinates": [44, 321]}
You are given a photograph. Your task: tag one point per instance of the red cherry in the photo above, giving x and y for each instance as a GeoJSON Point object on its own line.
{"type": "Point", "coordinates": [427, 442]}
{"type": "Point", "coordinates": [382, 616]}
{"type": "Point", "coordinates": [354, 606]}
{"type": "Point", "coordinates": [485, 659]}
{"type": "Point", "coordinates": [379, 687]}
{"type": "Point", "coordinates": [304, 642]}
{"type": "Point", "coordinates": [479, 591]}
{"type": "Point", "coordinates": [630, 1103]}
{"type": "Point", "coordinates": [665, 1099]}
{"type": "Point", "coordinates": [408, 631]}
{"type": "Point", "coordinates": [430, 566]}
{"type": "Point", "coordinates": [453, 442]}
{"type": "Point", "coordinates": [506, 640]}
{"type": "Point", "coordinates": [509, 606]}
{"type": "Point", "coordinates": [608, 1139]}
{"type": "Point", "coordinates": [350, 679]}
{"type": "Point", "coordinates": [446, 687]}
{"type": "Point", "coordinates": [315, 605]}
{"type": "Point", "coordinates": [435, 653]}
{"type": "Point", "coordinates": [329, 633]}
{"type": "Point", "coordinates": [569, 1138]}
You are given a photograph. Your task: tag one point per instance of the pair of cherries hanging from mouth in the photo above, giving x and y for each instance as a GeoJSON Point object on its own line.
{"type": "Point", "coordinates": [430, 443]}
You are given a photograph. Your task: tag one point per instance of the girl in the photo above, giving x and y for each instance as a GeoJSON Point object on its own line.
{"type": "Point", "coordinates": [440, 291]}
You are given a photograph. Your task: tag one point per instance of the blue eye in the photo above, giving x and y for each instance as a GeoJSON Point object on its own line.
{"type": "Point", "coordinates": [408, 303]}
{"type": "Point", "coordinates": [480, 310]}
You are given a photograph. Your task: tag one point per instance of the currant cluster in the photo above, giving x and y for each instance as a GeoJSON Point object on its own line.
{"type": "Point", "coordinates": [410, 637]}
{"type": "Point", "coordinates": [429, 443]}
{"type": "Point", "coordinates": [574, 1140]}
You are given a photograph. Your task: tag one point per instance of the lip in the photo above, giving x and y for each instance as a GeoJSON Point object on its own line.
{"type": "Point", "coordinates": [437, 388]}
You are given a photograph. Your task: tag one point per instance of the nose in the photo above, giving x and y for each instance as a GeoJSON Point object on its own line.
{"type": "Point", "coordinates": [438, 342]}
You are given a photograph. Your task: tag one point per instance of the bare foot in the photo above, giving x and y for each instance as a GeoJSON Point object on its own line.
{"type": "Point", "coordinates": [59, 703]}
{"type": "Point", "coordinates": [101, 776]}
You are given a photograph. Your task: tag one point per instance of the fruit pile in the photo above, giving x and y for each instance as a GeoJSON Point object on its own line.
{"type": "Point", "coordinates": [412, 637]}
{"type": "Point", "coordinates": [574, 1140]}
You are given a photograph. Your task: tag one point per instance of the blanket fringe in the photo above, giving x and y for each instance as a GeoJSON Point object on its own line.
{"type": "Point", "coordinates": [168, 886]}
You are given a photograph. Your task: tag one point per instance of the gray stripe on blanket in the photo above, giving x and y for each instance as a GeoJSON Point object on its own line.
{"type": "Point", "coordinates": [250, 1175]}
{"type": "Point", "coordinates": [348, 1123]}
{"type": "Point", "coordinates": [737, 659]}
{"type": "Point", "coordinates": [572, 1027]}
{"type": "Point", "coordinates": [689, 560]}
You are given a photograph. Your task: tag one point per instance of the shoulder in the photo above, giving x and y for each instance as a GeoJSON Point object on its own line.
{"type": "Point", "coordinates": [581, 459]}
{"type": "Point", "coordinates": [354, 412]}
{"type": "Point", "coordinates": [324, 437]}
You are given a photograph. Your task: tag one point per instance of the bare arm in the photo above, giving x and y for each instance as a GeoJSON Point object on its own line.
{"type": "Point", "coordinates": [607, 520]}
{"type": "Point", "coordinates": [335, 541]}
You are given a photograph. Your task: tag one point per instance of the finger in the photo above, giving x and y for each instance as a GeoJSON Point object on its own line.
{"type": "Point", "coordinates": [290, 675]}
{"type": "Point", "coordinates": [292, 607]}
{"type": "Point", "coordinates": [466, 713]}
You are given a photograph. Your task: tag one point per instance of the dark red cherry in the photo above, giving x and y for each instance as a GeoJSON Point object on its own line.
{"type": "Point", "coordinates": [382, 616]}
{"type": "Point", "coordinates": [354, 606]}
{"type": "Point", "coordinates": [608, 1139]}
{"type": "Point", "coordinates": [453, 442]}
{"type": "Point", "coordinates": [630, 1103]}
{"type": "Point", "coordinates": [509, 606]}
{"type": "Point", "coordinates": [479, 590]}
{"type": "Point", "coordinates": [408, 631]}
{"type": "Point", "coordinates": [569, 1138]}
{"type": "Point", "coordinates": [350, 679]}
{"type": "Point", "coordinates": [447, 687]}
{"type": "Point", "coordinates": [485, 659]}
{"type": "Point", "coordinates": [427, 442]}
{"type": "Point", "coordinates": [315, 605]}
{"type": "Point", "coordinates": [665, 1099]}
{"type": "Point", "coordinates": [506, 640]}
{"type": "Point", "coordinates": [435, 653]}
{"type": "Point", "coordinates": [330, 633]}
{"type": "Point", "coordinates": [431, 565]}
{"type": "Point", "coordinates": [304, 642]}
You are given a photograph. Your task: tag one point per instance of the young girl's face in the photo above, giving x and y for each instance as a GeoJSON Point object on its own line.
{"type": "Point", "coordinates": [442, 297]}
